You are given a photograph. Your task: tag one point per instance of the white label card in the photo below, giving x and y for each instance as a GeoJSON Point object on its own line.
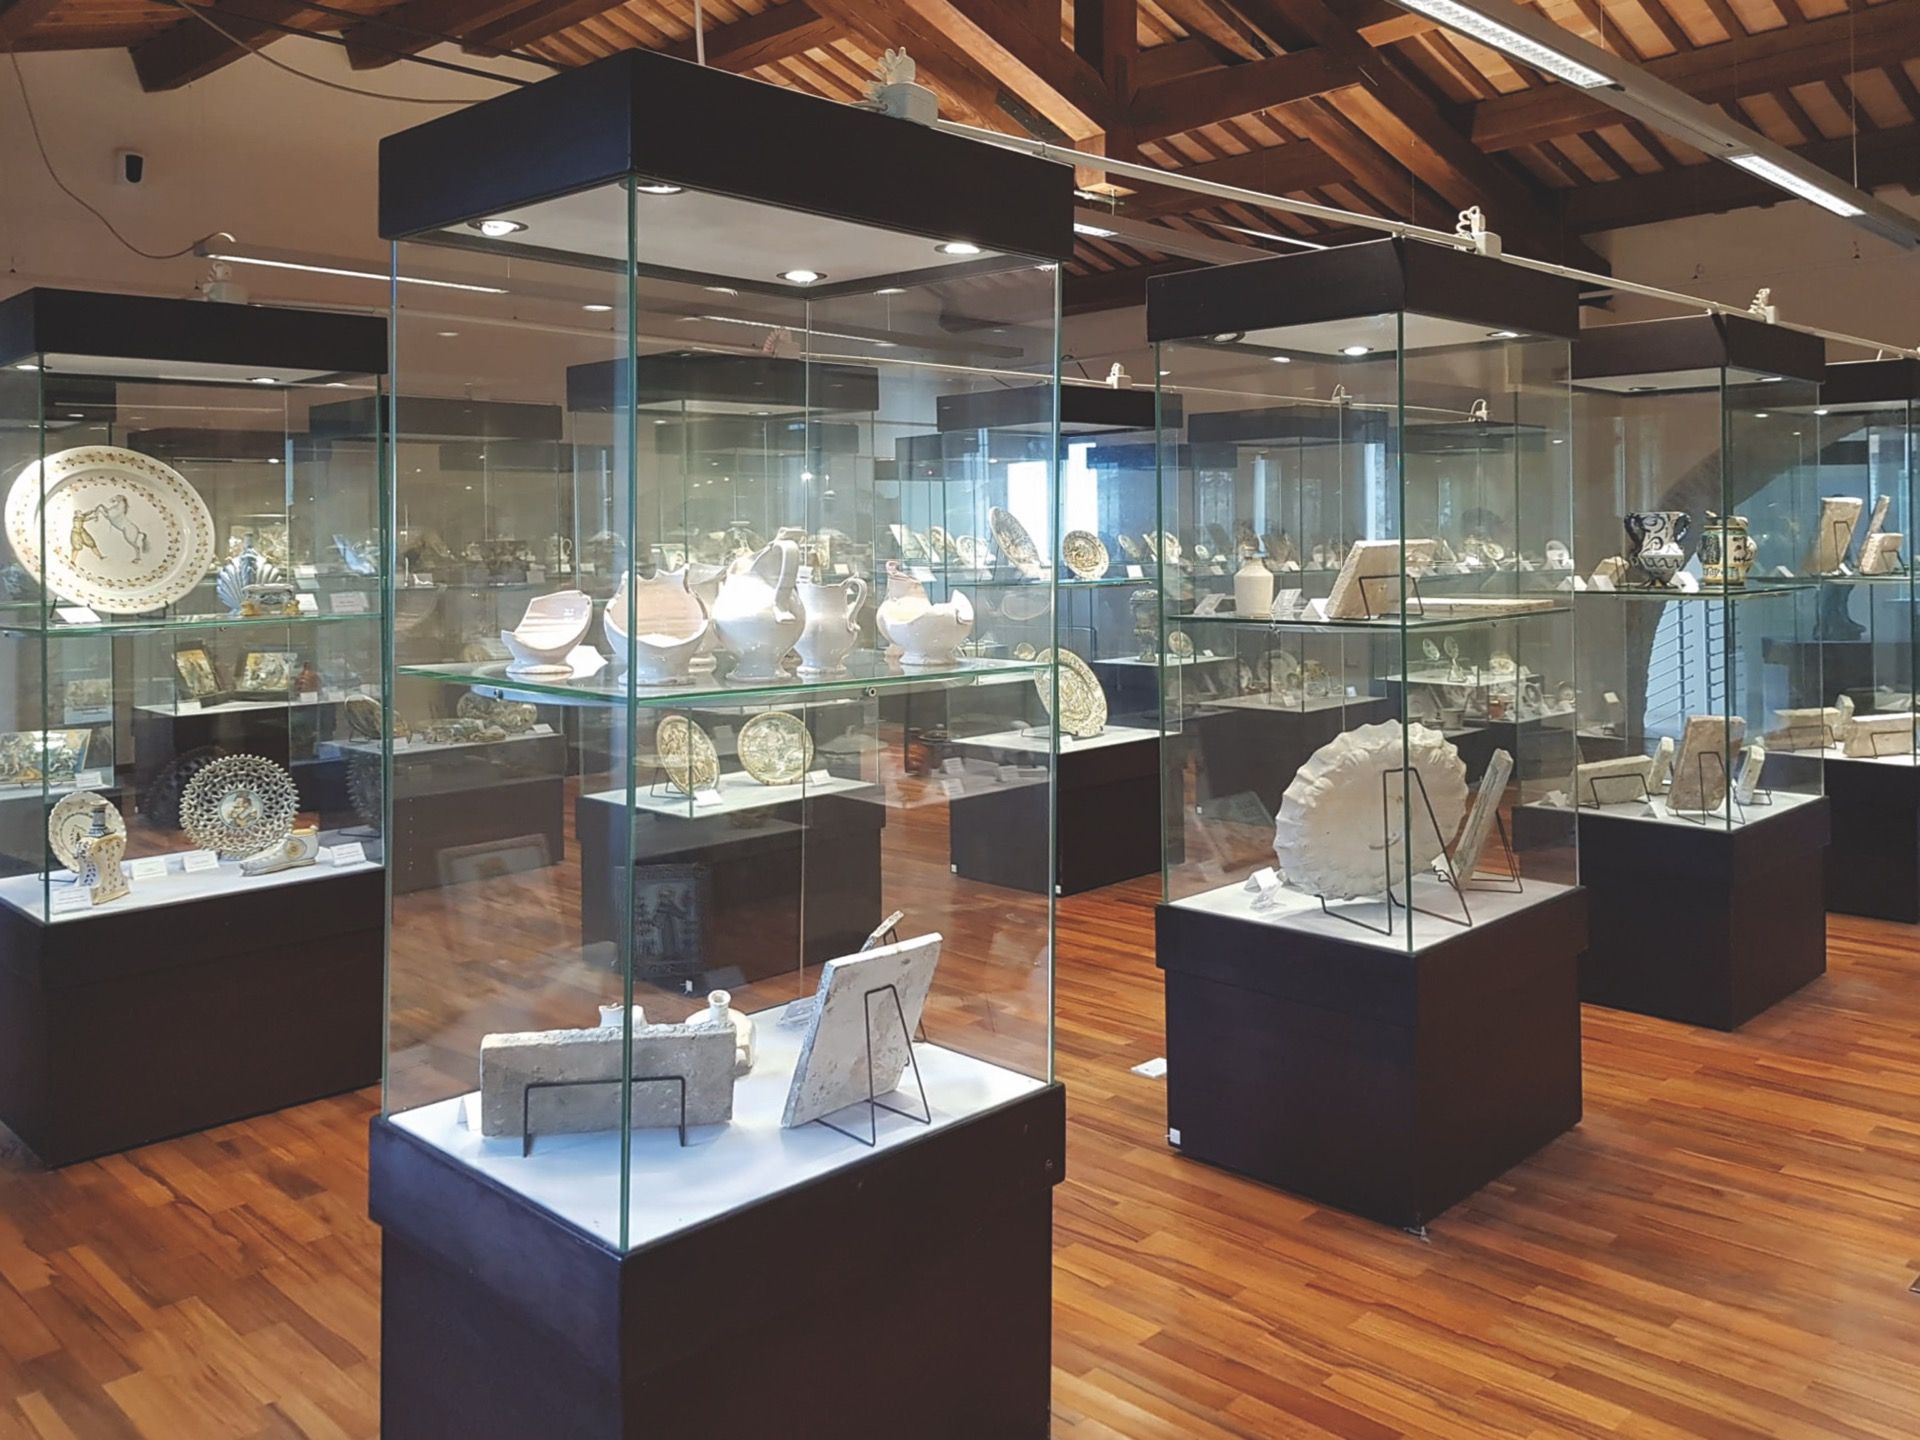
{"type": "Point", "coordinates": [953, 789]}
{"type": "Point", "coordinates": [187, 707]}
{"type": "Point", "coordinates": [723, 735]}
{"type": "Point", "coordinates": [306, 572]}
{"type": "Point", "coordinates": [541, 729]}
{"type": "Point", "coordinates": [195, 862]}
{"type": "Point", "coordinates": [842, 568]}
{"type": "Point", "coordinates": [69, 898]}
{"type": "Point", "coordinates": [350, 853]}
{"type": "Point", "coordinates": [1209, 604]}
{"type": "Point", "coordinates": [1135, 572]}
{"type": "Point", "coordinates": [148, 867]}
{"type": "Point", "coordinates": [953, 765]}
{"type": "Point", "coordinates": [76, 614]}
{"type": "Point", "coordinates": [818, 777]}
{"type": "Point", "coordinates": [536, 574]}
{"type": "Point", "coordinates": [708, 797]}
{"type": "Point", "coordinates": [90, 780]}
{"type": "Point", "coordinates": [1267, 878]}
{"type": "Point", "coordinates": [587, 567]}
{"type": "Point", "coordinates": [308, 604]}
{"type": "Point", "coordinates": [348, 602]}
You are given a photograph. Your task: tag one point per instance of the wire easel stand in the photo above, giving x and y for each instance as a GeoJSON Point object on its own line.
{"type": "Point", "coordinates": [1730, 804]}
{"type": "Point", "coordinates": [526, 1102]}
{"type": "Point", "coordinates": [1442, 867]}
{"type": "Point", "coordinates": [1405, 583]}
{"type": "Point", "coordinates": [873, 1102]}
{"type": "Point", "coordinates": [1508, 884]}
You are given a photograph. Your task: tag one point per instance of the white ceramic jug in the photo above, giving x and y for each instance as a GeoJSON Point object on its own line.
{"type": "Point", "coordinates": [669, 626]}
{"type": "Point", "coordinates": [928, 635]}
{"type": "Point", "coordinates": [833, 624]}
{"type": "Point", "coordinates": [758, 612]}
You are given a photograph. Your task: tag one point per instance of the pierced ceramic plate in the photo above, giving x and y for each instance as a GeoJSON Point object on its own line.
{"type": "Point", "coordinates": [1014, 541]}
{"type": "Point", "coordinates": [72, 818]}
{"type": "Point", "coordinates": [775, 748]}
{"type": "Point", "coordinates": [1085, 554]}
{"type": "Point", "coordinates": [687, 755]}
{"type": "Point", "coordinates": [239, 805]}
{"type": "Point", "coordinates": [125, 534]}
{"type": "Point", "coordinates": [1083, 704]}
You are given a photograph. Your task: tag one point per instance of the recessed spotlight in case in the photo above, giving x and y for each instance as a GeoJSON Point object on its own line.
{"type": "Point", "coordinates": [658, 187]}
{"type": "Point", "coordinates": [958, 247]}
{"type": "Point", "coordinates": [802, 276]}
{"type": "Point", "coordinates": [1762, 415]}
{"type": "Point", "coordinates": [1281, 359]}
{"type": "Point", "coordinates": [596, 309]}
{"type": "Point", "coordinates": [262, 380]}
{"type": "Point", "coordinates": [1823, 412]}
{"type": "Point", "coordinates": [26, 365]}
{"type": "Point", "coordinates": [496, 229]}
{"type": "Point", "coordinates": [446, 334]}
{"type": "Point", "coordinates": [1356, 350]}
{"type": "Point", "coordinates": [892, 290]}
{"type": "Point", "coordinates": [1503, 334]}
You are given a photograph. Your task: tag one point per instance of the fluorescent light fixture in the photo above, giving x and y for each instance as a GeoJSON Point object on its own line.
{"type": "Point", "coordinates": [26, 365]}
{"type": "Point", "coordinates": [1096, 232]}
{"type": "Point", "coordinates": [1503, 334]}
{"type": "Point", "coordinates": [891, 290]}
{"type": "Point", "coordinates": [1777, 174]}
{"type": "Point", "coordinates": [344, 272]}
{"type": "Point", "coordinates": [1509, 41]}
{"type": "Point", "coordinates": [1823, 412]}
{"type": "Point", "coordinates": [262, 380]}
{"type": "Point", "coordinates": [962, 247]}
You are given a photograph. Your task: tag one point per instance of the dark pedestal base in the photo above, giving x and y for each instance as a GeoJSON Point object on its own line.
{"type": "Point", "coordinates": [756, 865]}
{"type": "Point", "coordinates": [1873, 860]}
{"type": "Point", "coordinates": [461, 808]}
{"type": "Point", "coordinates": [907, 1294]}
{"type": "Point", "coordinates": [1701, 923]}
{"type": "Point", "coordinates": [1108, 817]}
{"type": "Point", "coordinates": [1255, 749]}
{"type": "Point", "coordinates": [130, 1026]}
{"type": "Point", "coordinates": [1388, 1084]}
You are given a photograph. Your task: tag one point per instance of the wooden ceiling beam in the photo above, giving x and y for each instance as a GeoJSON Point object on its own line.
{"type": "Point", "coordinates": [189, 49]}
{"type": "Point", "coordinates": [414, 25]}
{"type": "Point", "coordinates": [1034, 63]}
{"type": "Point", "coordinates": [1278, 171]}
{"type": "Point", "coordinates": [531, 24]}
{"type": "Point", "coordinates": [945, 65]}
{"type": "Point", "coordinates": [1106, 35]}
{"type": "Point", "coordinates": [1863, 39]}
{"type": "Point", "coordinates": [18, 17]}
{"type": "Point", "coordinates": [1215, 95]}
{"type": "Point", "coordinates": [1887, 157]}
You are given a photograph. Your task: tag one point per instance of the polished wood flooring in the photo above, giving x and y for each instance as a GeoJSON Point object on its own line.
{"type": "Point", "coordinates": [1722, 1249]}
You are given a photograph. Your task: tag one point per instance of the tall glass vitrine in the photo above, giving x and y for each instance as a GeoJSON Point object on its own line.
{"type": "Point", "coordinates": [1380, 432]}
{"type": "Point", "coordinates": [752, 977]}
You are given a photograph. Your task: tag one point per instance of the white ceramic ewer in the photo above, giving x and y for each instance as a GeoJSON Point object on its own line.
{"type": "Point", "coordinates": [669, 627]}
{"type": "Point", "coordinates": [833, 625]}
{"type": "Point", "coordinates": [758, 613]}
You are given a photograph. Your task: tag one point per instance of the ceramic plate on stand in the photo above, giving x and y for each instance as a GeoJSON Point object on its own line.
{"type": "Point", "coordinates": [1085, 554]}
{"type": "Point", "coordinates": [775, 748]}
{"type": "Point", "coordinates": [124, 533]}
{"type": "Point", "coordinates": [73, 817]}
{"type": "Point", "coordinates": [1014, 541]}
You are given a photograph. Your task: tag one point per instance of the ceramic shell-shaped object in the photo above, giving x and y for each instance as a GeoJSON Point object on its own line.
{"type": "Point", "coordinates": [928, 635]}
{"type": "Point", "coordinates": [547, 634]}
{"type": "Point", "coordinates": [1328, 837]}
{"type": "Point", "coordinates": [758, 613]}
{"type": "Point", "coordinates": [239, 574]}
{"type": "Point", "coordinates": [669, 627]}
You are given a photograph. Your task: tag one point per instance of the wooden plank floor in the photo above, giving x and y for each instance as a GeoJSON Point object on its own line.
{"type": "Point", "coordinates": [1723, 1249]}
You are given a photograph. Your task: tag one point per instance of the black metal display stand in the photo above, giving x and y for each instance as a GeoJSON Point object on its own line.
{"type": "Point", "coordinates": [1352, 1072]}
{"type": "Point", "coordinates": [501, 1321]}
{"type": "Point", "coordinates": [756, 865]}
{"type": "Point", "coordinates": [1706, 924]}
{"type": "Point", "coordinates": [459, 807]}
{"type": "Point", "coordinates": [1108, 819]}
{"type": "Point", "coordinates": [135, 1025]}
{"type": "Point", "coordinates": [1873, 859]}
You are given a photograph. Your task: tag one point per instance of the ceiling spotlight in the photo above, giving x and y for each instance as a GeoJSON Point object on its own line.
{"type": "Point", "coordinates": [1762, 415]}
{"type": "Point", "coordinates": [446, 334]}
{"type": "Point", "coordinates": [961, 247]}
{"type": "Point", "coordinates": [1356, 350]}
{"type": "Point", "coordinates": [1641, 389]}
{"type": "Point", "coordinates": [658, 187]}
{"type": "Point", "coordinates": [1228, 337]}
{"type": "Point", "coordinates": [1503, 334]}
{"type": "Point", "coordinates": [720, 289]}
{"type": "Point", "coordinates": [496, 229]}
{"type": "Point", "coordinates": [800, 276]}
{"type": "Point", "coordinates": [596, 309]}
{"type": "Point", "coordinates": [1770, 379]}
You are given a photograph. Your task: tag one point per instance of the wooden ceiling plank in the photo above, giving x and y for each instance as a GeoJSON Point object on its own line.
{"type": "Point", "coordinates": [190, 50]}
{"type": "Point", "coordinates": [1034, 64]}
{"type": "Point", "coordinates": [1227, 32]}
{"type": "Point", "coordinates": [381, 40]}
{"type": "Point", "coordinates": [1278, 171]}
{"type": "Point", "coordinates": [1716, 74]}
{"type": "Point", "coordinates": [1797, 116]}
{"type": "Point", "coordinates": [1904, 88]}
{"type": "Point", "coordinates": [532, 23]}
{"type": "Point", "coordinates": [19, 17]}
{"type": "Point", "coordinates": [1670, 29]}
{"type": "Point", "coordinates": [1214, 95]}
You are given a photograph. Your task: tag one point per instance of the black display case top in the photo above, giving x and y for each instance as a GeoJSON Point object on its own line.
{"type": "Point", "coordinates": [1697, 342]}
{"type": "Point", "coordinates": [427, 417]}
{"type": "Point", "coordinates": [146, 331]}
{"type": "Point", "coordinates": [694, 377]}
{"type": "Point", "coordinates": [1871, 382]}
{"type": "Point", "coordinates": [1350, 282]}
{"type": "Point", "coordinates": [640, 113]}
{"type": "Point", "coordinates": [1287, 425]}
{"type": "Point", "coordinates": [1082, 408]}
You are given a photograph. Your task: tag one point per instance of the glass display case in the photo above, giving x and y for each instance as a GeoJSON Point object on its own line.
{"type": "Point", "coordinates": [756, 982]}
{"type": "Point", "coordinates": [1379, 432]}
{"type": "Point", "coordinates": [1866, 420]}
{"type": "Point", "coordinates": [1705, 540]}
{"type": "Point", "coordinates": [187, 656]}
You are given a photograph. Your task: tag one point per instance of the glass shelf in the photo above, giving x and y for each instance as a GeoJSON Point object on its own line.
{"type": "Point", "coordinates": [179, 624]}
{"type": "Point", "coordinates": [1715, 594]}
{"type": "Point", "coordinates": [1389, 624]}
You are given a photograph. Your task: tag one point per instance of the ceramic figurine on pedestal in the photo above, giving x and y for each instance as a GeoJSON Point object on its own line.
{"type": "Point", "coordinates": [547, 634]}
{"type": "Point", "coordinates": [928, 635]}
{"type": "Point", "coordinates": [1654, 538]}
{"type": "Point", "coordinates": [670, 626]}
{"type": "Point", "coordinates": [758, 613]}
{"type": "Point", "coordinates": [833, 624]}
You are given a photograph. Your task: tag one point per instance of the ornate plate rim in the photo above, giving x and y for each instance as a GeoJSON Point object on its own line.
{"type": "Point", "coordinates": [776, 720]}
{"type": "Point", "coordinates": [281, 824]}
{"type": "Point", "coordinates": [1088, 571]}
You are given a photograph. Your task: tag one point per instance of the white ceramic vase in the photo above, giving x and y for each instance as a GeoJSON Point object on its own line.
{"type": "Point", "coordinates": [670, 626]}
{"type": "Point", "coordinates": [833, 625]}
{"type": "Point", "coordinates": [548, 632]}
{"type": "Point", "coordinates": [928, 635]}
{"type": "Point", "coordinates": [758, 613]}
{"type": "Point", "coordinates": [1253, 589]}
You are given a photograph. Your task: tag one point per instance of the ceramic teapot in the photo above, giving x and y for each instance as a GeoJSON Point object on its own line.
{"type": "Point", "coordinates": [833, 625]}
{"type": "Point", "coordinates": [758, 611]}
{"type": "Point", "coordinates": [1654, 539]}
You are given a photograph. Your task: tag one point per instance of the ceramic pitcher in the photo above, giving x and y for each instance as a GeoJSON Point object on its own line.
{"type": "Point", "coordinates": [833, 625]}
{"type": "Point", "coordinates": [758, 611]}
{"type": "Point", "coordinates": [1654, 539]}
{"type": "Point", "coordinates": [1726, 550]}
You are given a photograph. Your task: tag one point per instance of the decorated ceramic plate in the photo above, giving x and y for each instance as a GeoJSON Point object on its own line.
{"type": "Point", "coordinates": [1083, 704]}
{"type": "Point", "coordinates": [974, 552]}
{"type": "Point", "coordinates": [1169, 551]}
{"type": "Point", "coordinates": [239, 805]}
{"type": "Point", "coordinates": [1180, 644]}
{"type": "Point", "coordinates": [687, 755]}
{"type": "Point", "coordinates": [1023, 651]}
{"type": "Point", "coordinates": [775, 747]}
{"type": "Point", "coordinates": [1084, 553]}
{"type": "Point", "coordinates": [73, 817]}
{"type": "Point", "coordinates": [1014, 541]}
{"type": "Point", "coordinates": [124, 533]}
